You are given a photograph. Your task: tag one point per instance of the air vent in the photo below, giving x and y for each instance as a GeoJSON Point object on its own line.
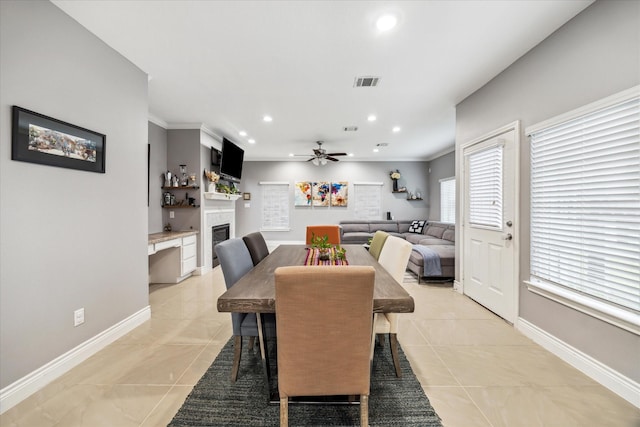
{"type": "Point", "coordinates": [350, 128]}
{"type": "Point", "coordinates": [382, 144]}
{"type": "Point", "coordinates": [368, 81]}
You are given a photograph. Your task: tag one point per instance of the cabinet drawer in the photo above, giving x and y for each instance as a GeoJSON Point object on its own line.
{"type": "Point", "coordinates": [188, 251]}
{"type": "Point", "coordinates": [188, 265]}
{"type": "Point", "coordinates": [189, 240]}
{"type": "Point", "coordinates": [173, 243]}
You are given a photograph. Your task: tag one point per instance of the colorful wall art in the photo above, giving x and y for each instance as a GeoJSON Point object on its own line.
{"type": "Point", "coordinates": [302, 194]}
{"type": "Point", "coordinates": [339, 193]}
{"type": "Point", "coordinates": [321, 193]}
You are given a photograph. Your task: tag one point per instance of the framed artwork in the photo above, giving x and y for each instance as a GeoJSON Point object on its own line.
{"type": "Point", "coordinates": [37, 138]}
{"type": "Point", "coordinates": [321, 193]}
{"type": "Point", "coordinates": [339, 193]}
{"type": "Point", "coordinates": [246, 196]}
{"type": "Point", "coordinates": [302, 194]}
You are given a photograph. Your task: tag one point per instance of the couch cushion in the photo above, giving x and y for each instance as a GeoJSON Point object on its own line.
{"type": "Point", "coordinates": [429, 240]}
{"type": "Point", "coordinates": [449, 235]}
{"type": "Point", "coordinates": [355, 227]}
{"type": "Point", "coordinates": [356, 237]}
{"type": "Point", "coordinates": [435, 231]}
{"type": "Point", "coordinates": [388, 226]}
{"type": "Point", "coordinates": [417, 226]}
{"type": "Point", "coordinates": [413, 237]}
{"type": "Point", "coordinates": [403, 225]}
{"type": "Point", "coordinates": [446, 253]}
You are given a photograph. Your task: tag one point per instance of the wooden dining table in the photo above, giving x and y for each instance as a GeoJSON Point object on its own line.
{"type": "Point", "coordinates": [255, 291]}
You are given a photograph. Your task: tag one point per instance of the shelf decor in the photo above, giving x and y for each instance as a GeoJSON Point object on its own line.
{"type": "Point", "coordinates": [395, 176]}
{"type": "Point", "coordinates": [37, 138]}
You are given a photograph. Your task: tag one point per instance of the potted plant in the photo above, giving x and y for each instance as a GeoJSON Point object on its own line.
{"type": "Point", "coordinates": [323, 246]}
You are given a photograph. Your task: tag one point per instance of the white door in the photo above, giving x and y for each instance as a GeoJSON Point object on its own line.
{"type": "Point", "coordinates": [489, 237]}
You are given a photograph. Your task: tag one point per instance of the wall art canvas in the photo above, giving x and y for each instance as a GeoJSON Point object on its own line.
{"type": "Point", "coordinates": [339, 193]}
{"type": "Point", "coordinates": [321, 193]}
{"type": "Point", "coordinates": [37, 138]}
{"type": "Point", "coordinates": [302, 194]}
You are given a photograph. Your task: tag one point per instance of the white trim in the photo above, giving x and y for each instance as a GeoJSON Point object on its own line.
{"type": "Point", "coordinates": [607, 312]}
{"type": "Point", "coordinates": [613, 380]}
{"type": "Point", "coordinates": [457, 286]}
{"type": "Point", "coordinates": [157, 121]}
{"type": "Point", "coordinates": [446, 179]}
{"type": "Point", "coordinates": [368, 183]}
{"type": "Point", "coordinates": [585, 109]}
{"type": "Point", "coordinates": [273, 183]}
{"type": "Point", "coordinates": [16, 392]}
{"type": "Point", "coordinates": [439, 153]}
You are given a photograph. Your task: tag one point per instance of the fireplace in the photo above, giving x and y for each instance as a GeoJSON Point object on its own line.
{"type": "Point", "coordinates": [219, 233]}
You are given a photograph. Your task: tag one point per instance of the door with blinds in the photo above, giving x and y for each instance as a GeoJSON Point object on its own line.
{"type": "Point", "coordinates": [490, 270]}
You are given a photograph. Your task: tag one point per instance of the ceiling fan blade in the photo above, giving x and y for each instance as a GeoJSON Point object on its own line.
{"type": "Point", "coordinates": [332, 159]}
{"type": "Point", "coordinates": [336, 154]}
{"type": "Point", "coordinates": [310, 159]}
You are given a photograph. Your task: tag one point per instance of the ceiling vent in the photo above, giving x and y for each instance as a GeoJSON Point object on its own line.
{"type": "Point", "coordinates": [382, 144]}
{"type": "Point", "coordinates": [350, 128]}
{"type": "Point", "coordinates": [368, 81]}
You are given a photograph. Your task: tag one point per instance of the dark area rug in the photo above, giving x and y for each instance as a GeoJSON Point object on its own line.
{"type": "Point", "coordinates": [215, 401]}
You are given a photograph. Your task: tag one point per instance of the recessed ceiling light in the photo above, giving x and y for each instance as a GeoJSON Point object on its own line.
{"type": "Point", "coordinates": [252, 141]}
{"type": "Point", "coordinates": [267, 119]}
{"type": "Point", "coordinates": [372, 118]}
{"type": "Point", "coordinates": [375, 150]}
{"type": "Point", "coordinates": [386, 22]}
{"type": "Point", "coordinates": [290, 154]}
{"type": "Point", "coordinates": [396, 129]}
{"type": "Point", "coordinates": [350, 154]}
{"type": "Point", "coordinates": [242, 133]}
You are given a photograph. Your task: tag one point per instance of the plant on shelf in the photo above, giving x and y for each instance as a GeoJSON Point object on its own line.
{"type": "Point", "coordinates": [213, 179]}
{"type": "Point", "coordinates": [226, 189]}
{"type": "Point", "coordinates": [322, 245]}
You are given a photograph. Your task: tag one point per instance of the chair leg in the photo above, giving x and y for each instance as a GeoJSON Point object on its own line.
{"type": "Point", "coordinates": [251, 342]}
{"type": "Point", "coordinates": [237, 351]}
{"type": "Point", "coordinates": [364, 410]}
{"type": "Point", "coordinates": [284, 411]}
{"type": "Point", "coordinates": [393, 341]}
{"type": "Point", "coordinates": [381, 339]}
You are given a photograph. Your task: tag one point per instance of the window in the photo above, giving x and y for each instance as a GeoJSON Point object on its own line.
{"type": "Point", "coordinates": [275, 206]}
{"type": "Point", "coordinates": [585, 208]}
{"type": "Point", "coordinates": [448, 200]}
{"type": "Point", "coordinates": [485, 187]}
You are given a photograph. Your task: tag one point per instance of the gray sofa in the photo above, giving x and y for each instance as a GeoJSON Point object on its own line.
{"type": "Point", "coordinates": [437, 236]}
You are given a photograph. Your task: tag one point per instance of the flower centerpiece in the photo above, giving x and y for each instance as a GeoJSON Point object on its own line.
{"type": "Point", "coordinates": [395, 176]}
{"type": "Point", "coordinates": [213, 180]}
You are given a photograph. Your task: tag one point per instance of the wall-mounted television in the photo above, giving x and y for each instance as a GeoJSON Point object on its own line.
{"type": "Point", "coordinates": [231, 162]}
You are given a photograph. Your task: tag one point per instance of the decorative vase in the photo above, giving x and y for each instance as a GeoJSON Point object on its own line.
{"type": "Point", "coordinates": [212, 187]}
{"type": "Point", "coordinates": [395, 184]}
{"type": "Point", "coordinates": [324, 254]}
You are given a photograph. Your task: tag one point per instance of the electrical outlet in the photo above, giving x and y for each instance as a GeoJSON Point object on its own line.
{"type": "Point", "coordinates": [78, 317]}
{"type": "Point", "coordinates": [172, 214]}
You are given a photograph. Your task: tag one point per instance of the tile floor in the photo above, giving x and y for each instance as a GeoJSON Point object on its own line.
{"type": "Point", "coordinates": [476, 369]}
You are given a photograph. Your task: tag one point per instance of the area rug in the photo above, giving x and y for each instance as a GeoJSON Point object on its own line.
{"type": "Point", "coordinates": [215, 401]}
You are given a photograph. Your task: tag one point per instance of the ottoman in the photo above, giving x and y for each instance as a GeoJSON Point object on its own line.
{"type": "Point", "coordinates": [447, 261]}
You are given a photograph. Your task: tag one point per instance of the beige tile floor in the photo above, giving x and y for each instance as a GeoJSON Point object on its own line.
{"type": "Point", "coordinates": [476, 369]}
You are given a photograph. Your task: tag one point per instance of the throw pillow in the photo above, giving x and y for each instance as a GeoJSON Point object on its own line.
{"type": "Point", "coordinates": [417, 226]}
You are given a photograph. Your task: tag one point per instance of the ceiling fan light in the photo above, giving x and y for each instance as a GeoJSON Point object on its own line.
{"type": "Point", "coordinates": [315, 162]}
{"type": "Point", "coordinates": [323, 162]}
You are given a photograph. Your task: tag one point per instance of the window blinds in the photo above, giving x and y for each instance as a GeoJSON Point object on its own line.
{"type": "Point", "coordinates": [485, 187]}
{"type": "Point", "coordinates": [585, 203]}
{"type": "Point", "coordinates": [275, 206]}
{"type": "Point", "coordinates": [448, 200]}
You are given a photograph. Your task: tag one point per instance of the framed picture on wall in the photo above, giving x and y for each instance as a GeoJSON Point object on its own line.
{"type": "Point", "coordinates": [37, 138]}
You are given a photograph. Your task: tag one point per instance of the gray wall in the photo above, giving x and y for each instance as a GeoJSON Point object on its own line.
{"type": "Point", "coordinates": [70, 238]}
{"type": "Point", "coordinates": [593, 56]}
{"type": "Point", "coordinates": [442, 167]}
{"type": "Point", "coordinates": [157, 167]}
{"type": "Point", "coordinates": [414, 177]}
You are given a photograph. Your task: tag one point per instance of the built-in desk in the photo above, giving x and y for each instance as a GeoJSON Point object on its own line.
{"type": "Point", "coordinates": [172, 256]}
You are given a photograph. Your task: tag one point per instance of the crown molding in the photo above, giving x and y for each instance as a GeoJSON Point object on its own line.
{"type": "Point", "coordinates": [157, 121]}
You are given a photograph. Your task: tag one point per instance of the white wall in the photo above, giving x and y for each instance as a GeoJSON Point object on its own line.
{"type": "Point", "coordinates": [593, 56]}
{"type": "Point", "coordinates": [70, 239]}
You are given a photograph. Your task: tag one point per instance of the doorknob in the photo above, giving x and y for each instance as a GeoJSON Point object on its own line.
{"type": "Point", "coordinates": [507, 237]}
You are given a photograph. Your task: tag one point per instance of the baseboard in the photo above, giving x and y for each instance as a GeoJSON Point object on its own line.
{"type": "Point", "coordinates": [16, 392]}
{"type": "Point", "coordinates": [457, 286]}
{"type": "Point", "coordinates": [611, 379]}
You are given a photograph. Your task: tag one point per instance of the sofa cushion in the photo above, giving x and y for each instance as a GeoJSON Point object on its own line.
{"type": "Point", "coordinates": [413, 237]}
{"type": "Point", "coordinates": [355, 227]}
{"type": "Point", "coordinates": [446, 253]}
{"type": "Point", "coordinates": [435, 231]}
{"type": "Point", "coordinates": [449, 235]}
{"type": "Point", "coordinates": [403, 225]}
{"type": "Point", "coordinates": [417, 226]}
{"type": "Point", "coordinates": [356, 237]}
{"type": "Point", "coordinates": [429, 240]}
{"type": "Point", "coordinates": [388, 226]}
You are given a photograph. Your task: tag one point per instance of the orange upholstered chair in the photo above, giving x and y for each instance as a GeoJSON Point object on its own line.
{"type": "Point", "coordinates": [332, 231]}
{"type": "Point", "coordinates": [324, 320]}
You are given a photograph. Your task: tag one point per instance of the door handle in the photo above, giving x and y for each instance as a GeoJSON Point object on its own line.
{"type": "Point", "coordinates": [507, 237]}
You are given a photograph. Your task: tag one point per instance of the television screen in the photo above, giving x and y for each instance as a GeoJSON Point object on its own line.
{"type": "Point", "coordinates": [231, 163]}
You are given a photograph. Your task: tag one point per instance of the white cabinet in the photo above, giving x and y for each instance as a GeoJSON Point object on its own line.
{"type": "Point", "coordinates": [188, 255]}
{"type": "Point", "coordinates": [171, 260]}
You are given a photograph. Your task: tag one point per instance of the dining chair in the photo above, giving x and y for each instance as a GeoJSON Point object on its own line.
{"type": "Point", "coordinates": [379, 238]}
{"type": "Point", "coordinates": [235, 261]}
{"type": "Point", "coordinates": [331, 231]}
{"type": "Point", "coordinates": [394, 257]}
{"type": "Point", "coordinates": [257, 246]}
{"type": "Point", "coordinates": [324, 326]}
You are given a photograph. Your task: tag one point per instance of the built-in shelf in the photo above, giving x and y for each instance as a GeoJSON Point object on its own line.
{"type": "Point", "coordinates": [187, 187]}
{"type": "Point", "coordinates": [221, 196]}
{"type": "Point", "coordinates": [400, 191]}
{"type": "Point", "coordinates": [411, 200]}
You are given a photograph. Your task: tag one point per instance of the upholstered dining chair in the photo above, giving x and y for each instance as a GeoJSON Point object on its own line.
{"type": "Point", "coordinates": [394, 257]}
{"type": "Point", "coordinates": [235, 261]}
{"type": "Point", "coordinates": [257, 246]}
{"type": "Point", "coordinates": [324, 324]}
{"type": "Point", "coordinates": [331, 231]}
{"type": "Point", "coordinates": [379, 238]}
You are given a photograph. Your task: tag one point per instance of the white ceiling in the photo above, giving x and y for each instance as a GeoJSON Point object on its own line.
{"type": "Point", "coordinates": [225, 64]}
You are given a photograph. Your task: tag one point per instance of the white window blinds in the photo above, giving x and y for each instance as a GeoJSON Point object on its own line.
{"type": "Point", "coordinates": [485, 187]}
{"type": "Point", "coordinates": [275, 206]}
{"type": "Point", "coordinates": [585, 203]}
{"type": "Point", "coordinates": [448, 200]}
{"type": "Point", "coordinates": [368, 200]}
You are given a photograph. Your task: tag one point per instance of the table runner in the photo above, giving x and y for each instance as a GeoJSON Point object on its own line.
{"type": "Point", "coordinates": [314, 253]}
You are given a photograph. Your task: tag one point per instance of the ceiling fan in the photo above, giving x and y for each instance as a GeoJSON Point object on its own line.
{"type": "Point", "coordinates": [320, 155]}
